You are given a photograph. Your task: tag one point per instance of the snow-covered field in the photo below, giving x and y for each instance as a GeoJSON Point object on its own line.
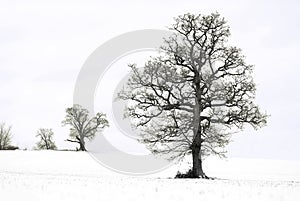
{"type": "Point", "coordinates": [58, 175]}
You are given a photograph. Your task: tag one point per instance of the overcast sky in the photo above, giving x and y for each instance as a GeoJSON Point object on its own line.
{"type": "Point", "coordinates": [43, 45]}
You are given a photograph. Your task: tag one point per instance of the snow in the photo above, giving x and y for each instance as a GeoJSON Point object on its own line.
{"type": "Point", "coordinates": [66, 175]}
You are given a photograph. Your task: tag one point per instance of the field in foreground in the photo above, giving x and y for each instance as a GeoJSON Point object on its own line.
{"type": "Point", "coordinates": [55, 175]}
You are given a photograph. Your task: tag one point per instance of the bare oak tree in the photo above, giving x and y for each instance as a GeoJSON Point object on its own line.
{"type": "Point", "coordinates": [5, 136]}
{"type": "Point", "coordinates": [46, 139]}
{"type": "Point", "coordinates": [195, 95]}
{"type": "Point", "coordinates": [83, 126]}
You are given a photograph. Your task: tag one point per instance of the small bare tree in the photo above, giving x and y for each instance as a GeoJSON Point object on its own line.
{"type": "Point", "coordinates": [83, 126]}
{"type": "Point", "coordinates": [5, 136]}
{"type": "Point", "coordinates": [191, 98]}
{"type": "Point", "coordinates": [46, 139]}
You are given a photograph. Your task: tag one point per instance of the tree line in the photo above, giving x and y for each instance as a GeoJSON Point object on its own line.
{"type": "Point", "coordinates": [82, 128]}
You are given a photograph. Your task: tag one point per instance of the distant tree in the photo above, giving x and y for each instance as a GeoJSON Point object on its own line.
{"type": "Point", "coordinates": [45, 136]}
{"type": "Point", "coordinates": [82, 125]}
{"type": "Point", "coordinates": [5, 136]}
{"type": "Point", "coordinates": [195, 94]}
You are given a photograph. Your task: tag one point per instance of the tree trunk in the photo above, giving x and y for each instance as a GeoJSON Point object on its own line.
{"type": "Point", "coordinates": [197, 170]}
{"type": "Point", "coordinates": [82, 147]}
{"type": "Point", "coordinates": [81, 143]}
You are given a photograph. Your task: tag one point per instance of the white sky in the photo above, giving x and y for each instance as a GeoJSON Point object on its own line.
{"type": "Point", "coordinates": [43, 45]}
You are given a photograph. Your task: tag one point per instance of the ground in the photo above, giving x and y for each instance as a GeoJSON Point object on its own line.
{"type": "Point", "coordinates": [58, 175]}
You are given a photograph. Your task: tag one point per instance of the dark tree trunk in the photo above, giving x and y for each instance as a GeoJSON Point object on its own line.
{"type": "Point", "coordinates": [82, 147]}
{"type": "Point", "coordinates": [197, 164]}
{"type": "Point", "coordinates": [81, 143]}
{"type": "Point", "coordinates": [197, 170]}
{"type": "Point", "coordinates": [47, 146]}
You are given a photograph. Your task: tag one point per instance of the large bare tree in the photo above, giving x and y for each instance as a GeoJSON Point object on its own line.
{"type": "Point", "coordinates": [46, 139]}
{"type": "Point", "coordinates": [5, 136]}
{"type": "Point", "coordinates": [191, 98]}
{"type": "Point", "coordinates": [82, 125]}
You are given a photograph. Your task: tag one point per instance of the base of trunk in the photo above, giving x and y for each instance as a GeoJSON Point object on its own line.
{"type": "Point", "coordinates": [191, 175]}
{"type": "Point", "coordinates": [199, 174]}
{"type": "Point", "coordinates": [197, 171]}
{"type": "Point", "coordinates": [203, 176]}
